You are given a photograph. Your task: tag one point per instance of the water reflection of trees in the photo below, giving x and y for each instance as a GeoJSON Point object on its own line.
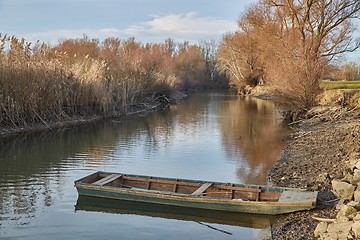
{"type": "Point", "coordinates": [185, 116]}
{"type": "Point", "coordinates": [253, 133]}
{"type": "Point", "coordinates": [32, 166]}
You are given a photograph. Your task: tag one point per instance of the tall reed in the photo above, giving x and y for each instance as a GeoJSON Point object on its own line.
{"type": "Point", "coordinates": [77, 77]}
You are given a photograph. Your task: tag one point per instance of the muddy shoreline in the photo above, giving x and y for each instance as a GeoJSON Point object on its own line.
{"type": "Point", "coordinates": [317, 152]}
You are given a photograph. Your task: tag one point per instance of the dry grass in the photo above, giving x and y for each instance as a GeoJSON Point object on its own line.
{"type": "Point", "coordinates": [354, 102]}
{"type": "Point", "coordinates": [345, 93]}
{"type": "Point", "coordinates": [39, 83]}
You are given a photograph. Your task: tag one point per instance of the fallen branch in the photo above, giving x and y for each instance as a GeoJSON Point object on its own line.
{"type": "Point", "coordinates": [354, 109]}
{"type": "Point", "coordinates": [303, 134]}
{"type": "Point", "coordinates": [295, 122]}
{"type": "Point", "coordinates": [329, 220]}
{"type": "Point", "coordinates": [332, 200]}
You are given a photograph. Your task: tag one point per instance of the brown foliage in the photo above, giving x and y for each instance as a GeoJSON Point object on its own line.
{"type": "Point", "coordinates": [293, 41]}
{"type": "Point", "coordinates": [84, 76]}
{"type": "Point", "coordinates": [240, 59]}
{"type": "Point", "coordinates": [190, 66]}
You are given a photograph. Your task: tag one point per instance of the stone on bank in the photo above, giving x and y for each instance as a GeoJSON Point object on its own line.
{"type": "Point", "coordinates": [347, 222]}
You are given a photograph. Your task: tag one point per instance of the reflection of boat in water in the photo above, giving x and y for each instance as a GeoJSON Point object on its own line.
{"type": "Point", "coordinates": [196, 194]}
{"type": "Point", "coordinates": [86, 203]}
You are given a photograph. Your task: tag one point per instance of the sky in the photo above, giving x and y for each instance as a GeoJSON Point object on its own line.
{"type": "Point", "coordinates": [147, 20]}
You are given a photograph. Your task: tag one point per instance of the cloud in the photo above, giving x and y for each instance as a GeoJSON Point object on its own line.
{"type": "Point", "coordinates": [180, 27]}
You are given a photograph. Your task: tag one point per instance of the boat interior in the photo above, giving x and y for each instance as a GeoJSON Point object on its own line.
{"type": "Point", "coordinates": [181, 187]}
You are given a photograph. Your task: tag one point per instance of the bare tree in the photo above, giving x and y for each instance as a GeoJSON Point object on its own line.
{"type": "Point", "coordinates": [324, 26]}
{"type": "Point", "coordinates": [240, 59]}
{"type": "Point", "coordinates": [315, 32]}
{"type": "Point", "coordinates": [349, 71]}
{"type": "Point", "coordinates": [229, 60]}
{"type": "Point", "coordinates": [294, 40]}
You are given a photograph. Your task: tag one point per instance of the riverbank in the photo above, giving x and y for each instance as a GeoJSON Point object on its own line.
{"type": "Point", "coordinates": [70, 121]}
{"type": "Point", "coordinates": [319, 151]}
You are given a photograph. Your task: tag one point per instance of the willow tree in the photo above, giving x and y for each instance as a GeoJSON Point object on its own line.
{"type": "Point", "coordinates": [239, 59]}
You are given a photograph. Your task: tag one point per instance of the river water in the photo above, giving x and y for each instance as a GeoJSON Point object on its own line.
{"type": "Point", "coordinates": [207, 136]}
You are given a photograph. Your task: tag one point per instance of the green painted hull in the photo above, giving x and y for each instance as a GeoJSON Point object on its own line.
{"type": "Point", "coordinates": [270, 208]}
{"type": "Point", "coordinates": [179, 200]}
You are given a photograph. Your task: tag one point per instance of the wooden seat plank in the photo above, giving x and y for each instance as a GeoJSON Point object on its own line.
{"type": "Point", "coordinates": [202, 188]}
{"type": "Point", "coordinates": [256, 190]}
{"type": "Point", "coordinates": [297, 196]}
{"type": "Point", "coordinates": [107, 179]}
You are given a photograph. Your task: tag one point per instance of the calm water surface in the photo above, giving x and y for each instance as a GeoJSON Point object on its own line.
{"type": "Point", "coordinates": [208, 136]}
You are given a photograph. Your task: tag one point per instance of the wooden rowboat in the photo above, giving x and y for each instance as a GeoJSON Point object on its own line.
{"type": "Point", "coordinates": [196, 194]}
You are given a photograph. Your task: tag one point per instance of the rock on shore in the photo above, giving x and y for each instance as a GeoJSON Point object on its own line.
{"type": "Point", "coordinates": [346, 225]}
{"type": "Point", "coordinates": [323, 152]}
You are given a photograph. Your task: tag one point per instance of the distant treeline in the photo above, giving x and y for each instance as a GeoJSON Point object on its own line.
{"type": "Point", "coordinates": [42, 83]}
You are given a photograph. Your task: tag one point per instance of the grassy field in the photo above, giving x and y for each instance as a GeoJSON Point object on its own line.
{"type": "Point", "coordinates": [328, 85]}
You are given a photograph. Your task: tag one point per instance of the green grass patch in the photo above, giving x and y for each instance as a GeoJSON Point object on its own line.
{"type": "Point", "coordinates": [340, 85]}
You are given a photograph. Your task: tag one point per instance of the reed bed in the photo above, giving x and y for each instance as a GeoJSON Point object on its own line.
{"type": "Point", "coordinates": [83, 77]}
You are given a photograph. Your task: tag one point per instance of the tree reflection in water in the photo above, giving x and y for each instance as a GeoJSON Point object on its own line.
{"type": "Point", "coordinates": [38, 169]}
{"type": "Point", "coordinates": [254, 133]}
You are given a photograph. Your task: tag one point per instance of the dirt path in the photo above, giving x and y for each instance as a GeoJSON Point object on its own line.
{"type": "Point", "coordinates": [317, 153]}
